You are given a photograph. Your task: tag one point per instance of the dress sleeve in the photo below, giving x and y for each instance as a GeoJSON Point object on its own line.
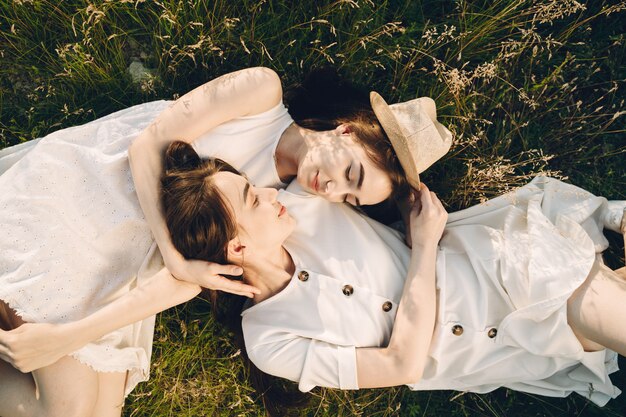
{"type": "Point", "coordinates": [307, 361]}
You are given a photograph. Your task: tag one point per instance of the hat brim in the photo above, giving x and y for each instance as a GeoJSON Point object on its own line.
{"type": "Point", "coordinates": [398, 139]}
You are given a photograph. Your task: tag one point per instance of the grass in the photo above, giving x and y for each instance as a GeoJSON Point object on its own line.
{"type": "Point", "coordinates": [527, 87]}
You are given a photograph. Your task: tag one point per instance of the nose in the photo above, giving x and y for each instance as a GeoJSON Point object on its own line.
{"type": "Point", "coordinates": [335, 190]}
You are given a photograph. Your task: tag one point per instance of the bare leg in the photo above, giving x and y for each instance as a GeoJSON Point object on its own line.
{"type": "Point", "coordinates": [110, 394]}
{"type": "Point", "coordinates": [597, 309]}
{"type": "Point", "coordinates": [16, 392]}
{"type": "Point", "coordinates": [66, 388]}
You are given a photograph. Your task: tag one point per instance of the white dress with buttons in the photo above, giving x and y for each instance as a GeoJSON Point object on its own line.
{"type": "Point", "coordinates": [504, 269]}
{"type": "Point", "coordinates": [73, 236]}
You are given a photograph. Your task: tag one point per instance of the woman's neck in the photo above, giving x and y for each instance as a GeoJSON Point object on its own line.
{"type": "Point", "coordinates": [270, 273]}
{"type": "Point", "coordinates": [291, 146]}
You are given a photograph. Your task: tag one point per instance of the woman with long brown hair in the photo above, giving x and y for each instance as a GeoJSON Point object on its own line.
{"type": "Point", "coordinates": [346, 166]}
{"type": "Point", "coordinates": [75, 238]}
{"type": "Point", "coordinates": [512, 293]}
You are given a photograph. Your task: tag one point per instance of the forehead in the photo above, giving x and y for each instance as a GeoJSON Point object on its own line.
{"type": "Point", "coordinates": [231, 186]}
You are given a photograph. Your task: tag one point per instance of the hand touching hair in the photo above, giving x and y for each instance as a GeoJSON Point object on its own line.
{"type": "Point", "coordinates": [198, 217]}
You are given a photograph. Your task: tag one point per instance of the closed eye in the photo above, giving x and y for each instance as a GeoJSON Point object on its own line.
{"type": "Point", "coordinates": [347, 172]}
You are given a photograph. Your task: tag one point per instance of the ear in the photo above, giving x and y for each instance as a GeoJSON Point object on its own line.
{"type": "Point", "coordinates": [235, 250]}
{"type": "Point", "coordinates": [343, 129]}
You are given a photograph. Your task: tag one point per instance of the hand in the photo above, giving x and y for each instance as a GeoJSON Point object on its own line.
{"type": "Point", "coordinates": [210, 275]}
{"type": "Point", "coordinates": [33, 346]}
{"type": "Point", "coordinates": [427, 218]}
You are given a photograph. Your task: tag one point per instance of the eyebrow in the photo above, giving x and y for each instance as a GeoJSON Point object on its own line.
{"type": "Point", "coordinates": [361, 175]}
{"type": "Point", "coordinates": [246, 188]}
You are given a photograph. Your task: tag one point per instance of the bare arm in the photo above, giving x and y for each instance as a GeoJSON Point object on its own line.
{"type": "Point", "coordinates": [405, 357]}
{"type": "Point", "coordinates": [317, 362]}
{"type": "Point", "coordinates": [35, 345]}
{"type": "Point", "coordinates": [246, 92]}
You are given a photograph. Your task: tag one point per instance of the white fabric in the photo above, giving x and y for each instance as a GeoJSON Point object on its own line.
{"type": "Point", "coordinates": [308, 331]}
{"type": "Point", "coordinates": [509, 264]}
{"type": "Point", "coordinates": [74, 236]}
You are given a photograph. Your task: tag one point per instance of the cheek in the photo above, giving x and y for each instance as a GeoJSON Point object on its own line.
{"type": "Point", "coordinates": [377, 187]}
{"type": "Point", "coordinates": [376, 196]}
{"type": "Point", "coordinates": [327, 155]}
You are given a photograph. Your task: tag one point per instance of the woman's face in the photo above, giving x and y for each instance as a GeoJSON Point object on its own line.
{"type": "Point", "coordinates": [338, 169]}
{"type": "Point", "coordinates": [263, 222]}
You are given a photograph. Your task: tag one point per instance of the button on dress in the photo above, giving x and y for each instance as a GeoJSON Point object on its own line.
{"type": "Point", "coordinates": [504, 272]}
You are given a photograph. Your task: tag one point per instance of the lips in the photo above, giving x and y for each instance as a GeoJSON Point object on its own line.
{"type": "Point", "coordinates": [315, 183]}
{"type": "Point", "coordinates": [282, 210]}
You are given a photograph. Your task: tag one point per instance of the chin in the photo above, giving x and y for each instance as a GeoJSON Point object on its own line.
{"type": "Point", "coordinates": [292, 224]}
{"type": "Point", "coordinates": [304, 185]}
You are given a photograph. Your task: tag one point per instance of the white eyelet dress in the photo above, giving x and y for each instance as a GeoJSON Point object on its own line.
{"type": "Point", "coordinates": [73, 236]}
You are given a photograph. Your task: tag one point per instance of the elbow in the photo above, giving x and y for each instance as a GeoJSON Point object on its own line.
{"type": "Point", "coordinates": [267, 74]}
{"type": "Point", "coordinates": [412, 374]}
{"type": "Point", "coordinates": [409, 369]}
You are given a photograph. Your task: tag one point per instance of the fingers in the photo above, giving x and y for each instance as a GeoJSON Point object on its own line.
{"type": "Point", "coordinates": [218, 269]}
{"type": "Point", "coordinates": [228, 285]}
{"type": "Point", "coordinates": [426, 197]}
{"type": "Point", "coordinates": [214, 276]}
{"type": "Point", "coordinates": [233, 287]}
{"type": "Point", "coordinates": [429, 198]}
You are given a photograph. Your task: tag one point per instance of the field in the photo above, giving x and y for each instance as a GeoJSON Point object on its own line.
{"type": "Point", "coordinates": [527, 87]}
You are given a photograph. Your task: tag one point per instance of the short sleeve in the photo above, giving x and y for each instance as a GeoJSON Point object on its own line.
{"type": "Point", "coordinates": [307, 361]}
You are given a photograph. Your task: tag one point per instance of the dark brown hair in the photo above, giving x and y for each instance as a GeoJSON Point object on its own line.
{"type": "Point", "coordinates": [201, 225]}
{"type": "Point", "coordinates": [197, 215]}
{"type": "Point", "coordinates": [325, 100]}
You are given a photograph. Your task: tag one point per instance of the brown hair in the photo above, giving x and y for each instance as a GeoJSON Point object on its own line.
{"type": "Point", "coordinates": [199, 218]}
{"type": "Point", "coordinates": [201, 225]}
{"type": "Point", "coordinates": [325, 100]}
{"type": "Point", "coordinates": [197, 215]}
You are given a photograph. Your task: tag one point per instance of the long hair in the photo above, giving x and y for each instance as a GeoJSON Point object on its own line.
{"type": "Point", "coordinates": [201, 225]}
{"type": "Point", "coordinates": [325, 100]}
{"type": "Point", "coordinates": [197, 215]}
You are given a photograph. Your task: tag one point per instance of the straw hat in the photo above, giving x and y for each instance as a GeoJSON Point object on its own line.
{"type": "Point", "coordinates": [415, 134]}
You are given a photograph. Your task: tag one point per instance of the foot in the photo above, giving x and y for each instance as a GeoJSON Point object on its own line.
{"type": "Point", "coordinates": [614, 216]}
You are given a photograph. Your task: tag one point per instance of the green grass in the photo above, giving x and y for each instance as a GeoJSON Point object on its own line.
{"type": "Point", "coordinates": [527, 87]}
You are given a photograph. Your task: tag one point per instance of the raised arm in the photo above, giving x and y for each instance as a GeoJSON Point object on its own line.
{"type": "Point", "coordinates": [405, 357]}
{"type": "Point", "coordinates": [246, 92]}
{"type": "Point", "coordinates": [35, 345]}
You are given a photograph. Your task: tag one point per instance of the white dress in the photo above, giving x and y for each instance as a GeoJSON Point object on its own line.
{"type": "Point", "coordinates": [73, 236]}
{"type": "Point", "coordinates": [504, 271]}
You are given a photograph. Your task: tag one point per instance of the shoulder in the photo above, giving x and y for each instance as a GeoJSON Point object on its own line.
{"type": "Point", "coordinates": [263, 87]}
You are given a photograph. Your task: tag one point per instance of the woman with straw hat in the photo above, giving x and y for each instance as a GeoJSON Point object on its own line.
{"type": "Point", "coordinates": [75, 238]}
{"type": "Point", "coordinates": [421, 127]}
